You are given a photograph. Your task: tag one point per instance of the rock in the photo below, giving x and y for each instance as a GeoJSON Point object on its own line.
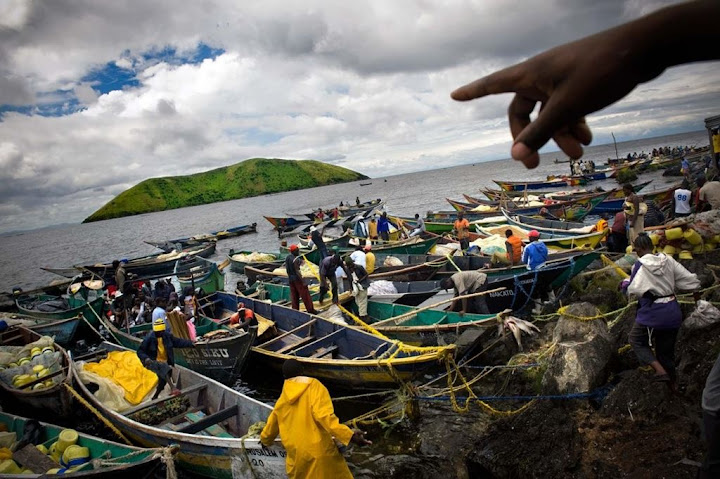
{"type": "Point", "coordinates": [541, 442]}
{"type": "Point", "coordinates": [704, 274]}
{"type": "Point", "coordinates": [582, 351]}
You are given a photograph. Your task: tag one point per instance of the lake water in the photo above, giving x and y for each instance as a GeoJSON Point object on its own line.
{"type": "Point", "coordinates": [22, 254]}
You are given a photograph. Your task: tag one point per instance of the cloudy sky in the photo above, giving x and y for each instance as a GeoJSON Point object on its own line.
{"type": "Point", "coordinates": [97, 96]}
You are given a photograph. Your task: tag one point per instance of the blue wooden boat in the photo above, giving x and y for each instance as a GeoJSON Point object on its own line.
{"type": "Point", "coordinates": [210, 434]}
{"type": "Point", "coordinates": [114, 460]}
{"type": "Point", "coordinates": [340, 356]}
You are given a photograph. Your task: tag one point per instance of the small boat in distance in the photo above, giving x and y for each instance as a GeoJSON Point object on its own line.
{"type": "Point", "coordinates": [366, 184]}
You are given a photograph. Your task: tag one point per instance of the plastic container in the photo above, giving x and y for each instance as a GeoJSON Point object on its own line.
{"type": "Point", "coordinates": [698, 249]}
{"type": "Point", "coordinates": [75, 455]}
{"type": "Point", "coordinates": [8, 466]}
{"type": "Point", "coordinates": [629, 249]}
{"type": "Point", "coordinates": [685, 255]}
{"type": "Point", "coordinates": [669, 249]}
{"type": "Point", "coordinates": [655, 239]}
{"type": "Point", "coordinates": [692, 237]}
{"type": "Point", "coordinates": [708, 247]}
{"type": "Point", "coordinates": [67, 438]}
{"type": "Point", "coordinates": [674, 233]}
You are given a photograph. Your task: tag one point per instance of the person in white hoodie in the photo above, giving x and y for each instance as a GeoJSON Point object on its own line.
{"type": "Point", "coordinates": [654, 280]}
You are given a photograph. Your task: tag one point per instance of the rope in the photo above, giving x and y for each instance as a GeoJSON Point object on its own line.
{"type": "Point", "coordinates": [166, 457]}
{"type": "Point", "coordinates": [97, 414]}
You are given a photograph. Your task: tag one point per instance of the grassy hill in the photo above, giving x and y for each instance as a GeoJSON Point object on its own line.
{"type": "Point", "coordinates": [257, 176]}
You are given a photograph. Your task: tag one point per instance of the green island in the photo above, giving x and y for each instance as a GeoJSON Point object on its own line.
{"type": "Point", "coordinates": [253, 177]}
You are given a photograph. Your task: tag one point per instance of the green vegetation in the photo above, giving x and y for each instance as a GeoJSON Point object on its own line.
{"type": "Point", "coordinates": [254, 177]}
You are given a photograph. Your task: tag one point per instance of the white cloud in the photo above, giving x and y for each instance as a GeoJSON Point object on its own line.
{"type": "Point", "coordinates": [364, 85]}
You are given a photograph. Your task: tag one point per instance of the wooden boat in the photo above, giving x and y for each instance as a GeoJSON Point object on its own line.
{"type": "Point", "coordinates": [498, 195]}
{"type": "Point", "coordinates": [145, 267]}
{"type": "Point", "coordinates": [47, 397]}
{"type": "Point", "coordinates": [49, 307]}
{"type": "Point", "coordinates": [538, 185]}
{"type": "Point", "coordinates": [209, 434]}
{"type": "Point", "coordinates": [305, 227]}
{"type": "Point", "coordinates": [571, 228]}
{"type": "Point", "coordinates": [200, 273]}
{"type": "Point", "coordinates": [577, 259]}
{"type": "Point", "coordinates": [338, 355]}
{"type": "Point", "coordinates": [366, 184]}
{"type": "Point", "coordinates": [238, 266]}
{"type": "Point", "coordinates": [179, 243]}
{"type": "Point", "coordinates": [414, 272]}
{"type": "Point", "coordinates": [62, 331]}
{"type": "Point", "coordinates": [411, 246]}
{"type": "Point", "coordinates": [347, 210]}
{"type": "Point", "coordinates": [557, 240]}
{"type": "Point", "coordinates": [221, 359]}
{"type": "Point", "coordinates": [108, 459]}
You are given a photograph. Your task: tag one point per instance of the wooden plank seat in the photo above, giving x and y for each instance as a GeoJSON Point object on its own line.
{"type": "Point", "coordinates": [200, 422]}
{"type": "Point", "coordinates": [295, 345]}
{"type": "Point", "coordinates": [290, 332]}
{"type": "Point", "coordinates": [325, 340]}
{"type": "Point", "coordinates": [324, 351]}
{"type": "Point", "coordinates": [155, 402]}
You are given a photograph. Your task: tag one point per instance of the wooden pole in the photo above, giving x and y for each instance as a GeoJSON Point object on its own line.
{"type": "Point", "coordinates": [405, 316]}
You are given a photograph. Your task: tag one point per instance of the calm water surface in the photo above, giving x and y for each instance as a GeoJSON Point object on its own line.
{"type": "Point", "coordinates": [22, 254]}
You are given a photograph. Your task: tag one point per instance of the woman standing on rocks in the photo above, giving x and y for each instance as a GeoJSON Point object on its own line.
{"type": "Point", "coordinates": [654, 280]}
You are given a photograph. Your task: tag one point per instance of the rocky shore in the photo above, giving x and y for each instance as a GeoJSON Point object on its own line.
{"type": "Point", "coordinates": [627, 426]}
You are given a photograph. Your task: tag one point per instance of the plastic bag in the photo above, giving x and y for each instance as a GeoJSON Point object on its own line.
{"type": "Point", "coordinates": [705, 315]}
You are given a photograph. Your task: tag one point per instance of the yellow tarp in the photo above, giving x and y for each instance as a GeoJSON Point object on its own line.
{"type": "Point", "coordinates": [124, 368]}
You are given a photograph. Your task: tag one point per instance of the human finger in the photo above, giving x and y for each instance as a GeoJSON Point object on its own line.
{"type": "Point", "coordinates": [503, 81]}
{"type": "Point", "coordinates": [519, 114]}
{"type": "Point", "coordinates": [569, 144]}
{"type": "Point", "coordinates": [552, 117]}
{"type": "Point", "coordinates": [581, 131]}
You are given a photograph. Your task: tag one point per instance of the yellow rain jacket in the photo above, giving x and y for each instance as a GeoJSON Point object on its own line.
{"type": "Point", "coordinates": [305, 419]}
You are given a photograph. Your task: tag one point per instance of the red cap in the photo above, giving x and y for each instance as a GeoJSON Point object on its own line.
{"type": "Point", "coordinates": [294, 247]}
{"type": "Point", "coordinates": [534, 234]}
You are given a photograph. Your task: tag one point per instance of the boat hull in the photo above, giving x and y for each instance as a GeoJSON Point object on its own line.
{"type": "Point", "coordinates": [90, 310]}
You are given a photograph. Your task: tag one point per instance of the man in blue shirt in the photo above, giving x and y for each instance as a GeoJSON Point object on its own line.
{"type": "Point", "coordinates": [384, 227]}
{"type": "Point", "coordinates": [536, 253]}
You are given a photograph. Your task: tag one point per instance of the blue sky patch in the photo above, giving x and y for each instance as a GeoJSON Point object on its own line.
{"type": "Point", "coordinates": [108, 78]}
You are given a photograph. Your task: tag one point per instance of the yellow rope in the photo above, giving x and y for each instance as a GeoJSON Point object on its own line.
{"type": "Point", "coordinates": [92, 409]}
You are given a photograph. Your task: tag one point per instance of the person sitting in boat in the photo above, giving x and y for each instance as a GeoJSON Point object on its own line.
{"type": "Point", "coordinates": [420, 228]}
{"type": "Point", "coordinates": [513, 254]}
{"type": "Point", "coordinates": [157, 353]}
{"type": "Point", "coordinates": [305, 419]}
{"type": "Point", "coordinates": [357, 201]}
{"type": "Point", "coordinates": [369, 258]}
{"type": "Point", "coordinates": [464, 283]}
{"type": "Point", "coordinates": [244, 317]}
{"type": "Point", "coordinates": [617, 241]}
{"type": "Point", "coordinates": [547, 215]}
{"type": "Point", "coordinates": [319, 216]}
{"type": "Point", "coordinates": [335, 213]}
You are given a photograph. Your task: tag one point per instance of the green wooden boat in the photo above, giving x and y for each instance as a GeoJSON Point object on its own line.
{"type": "Point", "coordinates": [420, 246]}
{"type": "Point", "coordinates": [45, 306]}
{"type": "Point", "coordinates": [219, 359]}
{"type": "Point", "coordinates": [199, 273]}
{"type": "Point", "coordinates": [211, 434]}
{"type": "Point", "coordinates": [62, 331]}
{"type": "Point", "coordinates": [238, 266]}
{"type": "Point", "coordinates": [108, 459]}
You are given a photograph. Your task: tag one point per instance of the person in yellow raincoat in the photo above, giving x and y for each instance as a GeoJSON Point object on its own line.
{"type": "Point", "coordinates": [305, 419]}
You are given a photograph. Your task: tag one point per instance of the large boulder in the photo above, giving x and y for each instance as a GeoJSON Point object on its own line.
{"type": "Point", "coordinates": [582, 351]}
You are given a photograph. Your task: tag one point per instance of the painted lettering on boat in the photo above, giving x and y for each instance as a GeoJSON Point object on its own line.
{"type": "Point", "coordinates": [207, 353]}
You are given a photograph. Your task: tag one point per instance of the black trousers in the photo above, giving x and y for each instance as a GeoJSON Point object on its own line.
{"type": "Point", "coordinates": [663, 340]}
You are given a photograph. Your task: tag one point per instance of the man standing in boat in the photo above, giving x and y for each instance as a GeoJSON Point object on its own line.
{"type": "Point", "coordinates": [157, 354]}
{"type": "Point", "coordinates": [420, 226]}
{"type": "Point", "coordinates": [327, 273]}
{"type": "Point", "coordinates": [305, 419]}
{"type": "Point", "coordinates": [298, 288]}
{"type": "Point", "coordinates": [360, 283]}
{"type": "Point", "coordinates": [373, 229]}
{"type": "Point", "coordinates": [383, 227]}
{"type": "Point", "coordinates": [317, 239]}
{"type": "Point", "coordinates": [462, 230]}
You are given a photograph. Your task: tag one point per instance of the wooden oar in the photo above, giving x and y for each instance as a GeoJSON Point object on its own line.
{"type": "Point", "coordinates": [406, 316]}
